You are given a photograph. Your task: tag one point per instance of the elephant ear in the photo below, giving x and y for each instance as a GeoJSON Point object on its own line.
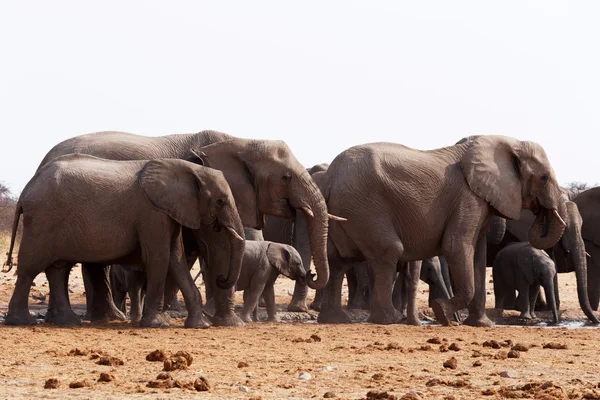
{"type": "Point", "coordinates": [526, 261]}
{"type": "Point", "coordinates": [279, 257]}
{"type": "Point", "coordinates": [490, 168]}
{"type": "Point", "coordinates": [172, 187]}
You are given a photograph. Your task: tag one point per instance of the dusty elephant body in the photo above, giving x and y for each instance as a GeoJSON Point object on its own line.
{"type": "Point", "coordinates": [263, 262]}
{"type": "Point", "coordinates": [404, 204]}
{"type": "Point", "coordinates": [569, 254]}
{"type": "Point", "coordinates": [521, 267]}
{"type": "Point", "coordinates": [264, 176]}
{"type": "Point", "coordinates": [138, 222]}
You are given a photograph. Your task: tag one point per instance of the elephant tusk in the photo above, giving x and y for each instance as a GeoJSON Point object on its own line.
{"type": "Point", "coordinates": [336, 218]}
{"type": "Point", "coordinates": [559, 218]}
{"type": "Point", "coordinates": [588, 254]}
{"type": "Point", "coordinates": [308, 211]}
{"type": "Point", "coordinates": [234, 233]}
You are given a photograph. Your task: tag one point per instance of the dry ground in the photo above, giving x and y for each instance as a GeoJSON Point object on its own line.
{"type": "Point", "coordinates": [343, 361]}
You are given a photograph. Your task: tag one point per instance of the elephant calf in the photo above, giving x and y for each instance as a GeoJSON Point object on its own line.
{"type": "Point", "coordinates": [521, 267]}
{"type": "Point", "coordinates": [263, 262]}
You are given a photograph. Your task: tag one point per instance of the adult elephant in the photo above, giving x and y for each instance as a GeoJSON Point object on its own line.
{"type": "Point", "coordinates": [405, 205]}
{"type": "Point", "coordinates": [264, 176]}
{"type": "Point", "coordinates": [569, 254]}
{"type": "Point", "coordinates": [292, 232]}
{"type": "Point", "coordinates": [588, 203]}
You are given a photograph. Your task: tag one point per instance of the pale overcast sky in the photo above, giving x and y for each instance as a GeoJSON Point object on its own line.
{"type": "Point", "coordinates": [321, 75]}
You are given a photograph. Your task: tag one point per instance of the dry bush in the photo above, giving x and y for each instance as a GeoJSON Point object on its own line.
{"type": "Point", "coordinates": [8, 203]}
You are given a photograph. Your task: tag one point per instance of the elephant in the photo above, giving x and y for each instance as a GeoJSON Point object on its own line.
{"type": "Point", "coordinates": [404, 204]}
{"type": "Point", "coordinates": [588, 204]}
{"type": "Point", "coordinates": [285, 230]}
{"type": "Point", "coordinates": [128, 281]}
{"type": "Point", "coordinates": [263, 262]}
{"type": "Point", "coordinates": [569, 254]}
{"type": "Point", "coordinates": [81, 208]}
{"type": "Point", "coordinates": [264, 176]}
{"type": "Point", "coordinates": [521, 267]}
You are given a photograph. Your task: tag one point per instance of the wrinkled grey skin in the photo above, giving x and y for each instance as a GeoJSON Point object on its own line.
{"type": "Point", "coordinates": [521, 267]}
{"type": "Point", "coordinates": [434, 272]}
{"type": "Point", "coordinates": [264, 176]}
{"type": "Point", "coordinates": [128, 281]}
{"type": "Point", "coordinates": [568, 254]}
{"type": "Point", "coordinates": [263, 262]}
{"type": "Point", "coordinates": [403, 204]}
{"type": "Point", "coordinates": [138, 222]}
{"type": "Point", "coordinates": [294, 232]}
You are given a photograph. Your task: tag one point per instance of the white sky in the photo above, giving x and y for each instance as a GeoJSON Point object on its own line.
{"type": "Point", "coordinates": [321, 75]}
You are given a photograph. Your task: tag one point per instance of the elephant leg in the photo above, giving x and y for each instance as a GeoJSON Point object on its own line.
{"type": "Point", "coordinates": [523, 300]}
{"type": "Point", "coordinates": [316, 303]}
{"type": "Point", "coordinates": [89, 286]}
{"type": "Point", "coordinates": [331, 303]}
{"type": "Point", "coordinates": [352, 286]}
{"type": "Point", "coordinates": [298, 302]}
{"type": "Point", "coordinates": [136, 283]}
{"type": "Point", "coordinates": [534, 292]}
{"type": "Point", "coordinates": [413, 274]}
{"type": "Point", "coordinates": [269, 296]}
{"type": "Point", "coordinates": [398, 293]}
{"type": "Point", "coordinates": [180, 272]}
{"type": "Point", "coordinates": [30, 265]}
{"type": "Point", "coordinates": [477, 316]}
{"type": "Point", "coordinates": [556, 296]}
{"type": "Point", "coordinates": [361, 299]}
{"type": "Point", "coordinates": [382, 308]}
{"type": "Point", "coordinates": [59, 307]}
{"type": "Point", "coordinates": [103, 307]}
{"type": "Point", "coordinates": [549, 289]}
{"type": "Point", "coordinates": [251, 296]}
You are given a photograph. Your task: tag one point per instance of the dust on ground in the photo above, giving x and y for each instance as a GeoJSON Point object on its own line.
{"type": "Point", "coordinates": [299, 360]}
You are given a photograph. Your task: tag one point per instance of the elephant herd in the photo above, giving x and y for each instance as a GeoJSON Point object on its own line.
{"type": "Point", "coordinates": [137, 212]}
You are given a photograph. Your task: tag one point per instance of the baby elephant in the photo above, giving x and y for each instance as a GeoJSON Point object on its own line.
{"type": "Point", "coordinates": [521, 267]}
{"type": "Point", "coordinates": [263, 262]}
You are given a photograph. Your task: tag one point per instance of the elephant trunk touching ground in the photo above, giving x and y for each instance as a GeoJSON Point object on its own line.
{"type": "Point", "coordinates": [314, 208]}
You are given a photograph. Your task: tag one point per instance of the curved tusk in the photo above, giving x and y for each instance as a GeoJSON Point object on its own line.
{"type": "Point", "coordinates": [559, 218]}
{"type": "Point", "coordinates": [588, 254]}
{"type": "Point", "coordinates": [234, 233]}
{"type": "Point", "coordinates": [308, 211]}
{"type": "Point", "coordinates": [336, 218]}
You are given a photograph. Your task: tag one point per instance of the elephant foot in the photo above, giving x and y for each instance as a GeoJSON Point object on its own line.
{"type": "Point", "coordinates": [87, 316]}
{"type": "Point", "coordinates": [413, 320]}
{"type": "Point", "coordinates": [209, 307]}
{"type": "Point", "coordinates": [297, 305]}
{"type": "Point", "coordinates": [274, 318]}
{"type": "Point", "coordinates": [526, 315]}
{"type": "Point", "coordinates": [229, 319]}
{"type": "Point", "coordinates": [19, 318]}
{"type": "Point", "coordinates": [384, 316]}
{"type": "Point", "coordinates": [315, 305]}
{"type": "Point", "coordinates": [337, 316]}
{"type": "Point", "coordinates": [175, 305]}
{"type": "Point", "coordinates": [65, 319]}
{"type": "Point", "coordinates": [439, 308]}
{"type": "Point", "coordinates": [197, 321]}
{"type": "Point", "coordinates": [157, 321]}
{"type": "Point", "coordinates": [478, 320]}
{"type": "Point", "coordinates": [246, 318]}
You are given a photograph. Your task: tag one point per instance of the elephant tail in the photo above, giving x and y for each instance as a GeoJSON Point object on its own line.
{"type": "Point", "coordinates": [9, 260]}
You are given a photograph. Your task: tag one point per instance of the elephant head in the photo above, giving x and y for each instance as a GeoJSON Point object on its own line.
{"type": "Point", "coordinates": [266, 178]}
{"type": "Point", "coordinates": [196, 197]}
{"type": "Point", "coordinates": [510, 175]}
{"type": "Point", "coordinates": [286, 259]}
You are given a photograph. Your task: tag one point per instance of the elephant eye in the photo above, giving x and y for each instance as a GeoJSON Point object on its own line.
{"type": "Point", "coordinates": [545, 178]}
{"type": "Point", "coordinates": [220, 203]}
{"type": "Point", "coordinates": [287, 177]}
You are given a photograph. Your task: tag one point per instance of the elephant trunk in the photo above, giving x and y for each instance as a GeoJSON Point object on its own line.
{"type": "Point", "coordinates": [237, 244]}
{"type": "Point", "coordinates": [311, 202]}
{"type": "Point", "coordinates": [497, 230]}
{"type": "Point", "coordinates": [548, 228]}
{"type": "Point", "coordinates": [576, 247]}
